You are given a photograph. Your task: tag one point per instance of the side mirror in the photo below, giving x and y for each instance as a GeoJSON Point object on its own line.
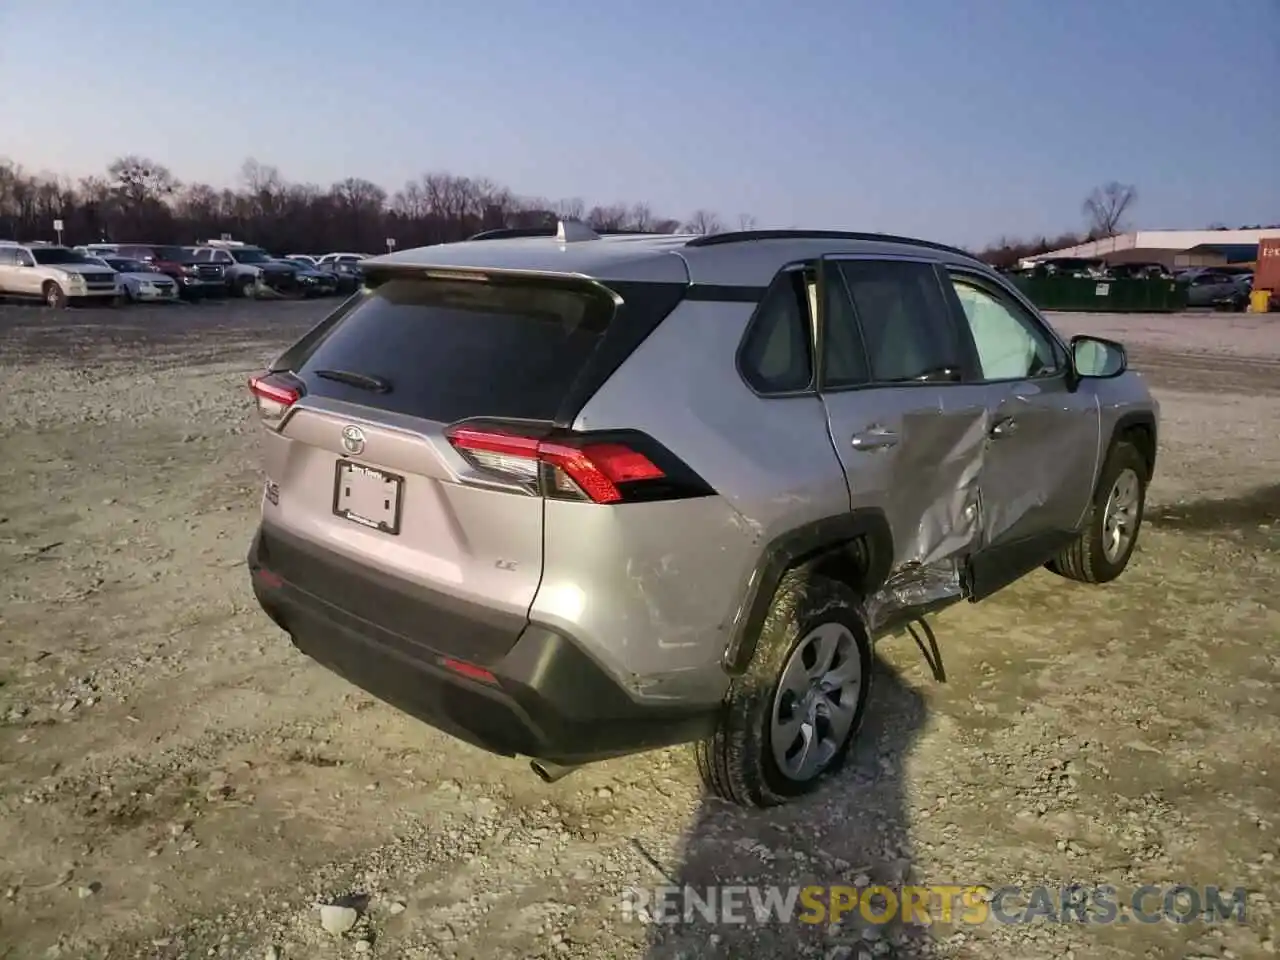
{"type": "Point", "coordinates": [1093, 357]}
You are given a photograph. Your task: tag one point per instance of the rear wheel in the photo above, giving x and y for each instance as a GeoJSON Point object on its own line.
{"type": "Point", "coordinates": [54, 296]}
{"type": "Point", "coordinates": [788, 722]}
{"type": "Point", "coordinates": [1104, 547]}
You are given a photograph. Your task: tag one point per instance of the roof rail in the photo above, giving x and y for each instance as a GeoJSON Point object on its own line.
{"type": "Point", "coordinates": [743, 236]}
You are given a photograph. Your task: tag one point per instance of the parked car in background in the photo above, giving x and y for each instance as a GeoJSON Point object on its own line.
{"type": "Point", "coordinates": [309, 260]}
{"type": "Point", "coordinates": [194, 280]}
{"type": "Point", "coordinates": [97, 249]}
{"type": "Point", "coordinates": [55, 275]}
{"type": "Point", "coordinates": [250, 270]}
{"type": "Point", "coordinates": [1139, 271]}
{"type": "Point", "coordinates": [330, 258]}
{"type": "Point", "coordinates": [312, 282]}
{"type": "Point", "coordinates": [348, 274]}
{"type": "Point", "coordinates": [1222, 289]}
{"type": "Point", "coordinates": [140, 281]}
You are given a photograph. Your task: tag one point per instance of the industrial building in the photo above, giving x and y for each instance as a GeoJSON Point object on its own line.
{"type": "Point", "coordinates": [1174, 249]}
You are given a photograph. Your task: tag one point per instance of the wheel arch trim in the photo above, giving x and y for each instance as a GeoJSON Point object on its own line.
{"type": "Point", "coordinates": [805, 544]}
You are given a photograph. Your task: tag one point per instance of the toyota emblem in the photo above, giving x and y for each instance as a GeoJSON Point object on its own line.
{"type": "Point", "coordinates": [352, 439]}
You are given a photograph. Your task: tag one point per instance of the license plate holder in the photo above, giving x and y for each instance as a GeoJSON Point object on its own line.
{"type": "Point", "coordinates": [368, 496]}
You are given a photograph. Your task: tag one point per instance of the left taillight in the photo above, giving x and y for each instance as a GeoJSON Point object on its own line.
{"type": "Point", "coordinates": [601, 468]}
{"type": "Point", "coordinates": [274, 394]}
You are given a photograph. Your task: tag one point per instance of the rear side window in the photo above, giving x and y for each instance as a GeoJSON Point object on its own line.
{"type": "Point", "coordinates": [447, 350]}
{"type": "Point", "coordinates": [777, 354]}
{"type": "Point", "coordinates": [904, 318]}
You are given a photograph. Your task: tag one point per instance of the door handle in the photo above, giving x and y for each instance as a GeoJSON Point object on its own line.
{"type": "Point", "coordinates": [874, 438]}
{"type": "Point", "coordinates": [1004, 428]}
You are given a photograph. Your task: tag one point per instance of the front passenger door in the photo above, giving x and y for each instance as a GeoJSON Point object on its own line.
{"type": "Point", "coordinates": [1038, 473]}
{"type": "Point", "coordinates": [26, 279]}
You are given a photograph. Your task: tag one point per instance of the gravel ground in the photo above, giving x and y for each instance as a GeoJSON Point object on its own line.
{"type": "Point", "coordinates": [177, 781]}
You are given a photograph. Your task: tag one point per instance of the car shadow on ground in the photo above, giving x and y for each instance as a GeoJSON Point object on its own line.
{"type": "Point", "coordinates": [855, 832]}
{"type": "Point", "coordinates": [1259, 506]}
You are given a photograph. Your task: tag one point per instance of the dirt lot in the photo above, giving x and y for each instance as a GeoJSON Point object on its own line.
{"type": "Point", "coordinates": [177, 781]}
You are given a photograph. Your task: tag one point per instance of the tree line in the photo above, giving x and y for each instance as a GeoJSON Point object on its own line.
{"type": "Point", "coordinates": [140, 199]}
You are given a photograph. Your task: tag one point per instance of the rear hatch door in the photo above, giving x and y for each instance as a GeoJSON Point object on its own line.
{"type": "Point", "coordinates": [376, 511]}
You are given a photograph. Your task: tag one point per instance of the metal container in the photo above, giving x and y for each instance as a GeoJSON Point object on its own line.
{"type": "Point", "coordinates": [1266, 275]}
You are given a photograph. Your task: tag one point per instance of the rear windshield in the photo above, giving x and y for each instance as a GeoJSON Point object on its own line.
{"type": "Point", "coordinates": [453, 349]}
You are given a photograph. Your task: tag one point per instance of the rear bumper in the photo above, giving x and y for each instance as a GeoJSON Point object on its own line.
{"type": "Point", "coordinates": [543, 698]}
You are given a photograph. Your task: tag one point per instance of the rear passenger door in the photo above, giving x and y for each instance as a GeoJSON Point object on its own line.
{"type": "Point", "coordinates": [892, 376]}
{"type": "Point", "coordinates": [1037, 475]}
{"type": "Point", "coordinates": [8, 269]}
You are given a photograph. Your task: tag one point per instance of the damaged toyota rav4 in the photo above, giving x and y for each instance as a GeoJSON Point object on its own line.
{"type": "Point", "coordinates": [570, 497]}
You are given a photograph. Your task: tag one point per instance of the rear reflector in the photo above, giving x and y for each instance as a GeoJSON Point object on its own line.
{"type": "Point", "coordinates": [272, 581]}
{"type": "Point", "coordinates": [580, 469]}
{"type": "Point", "coordinates": [275, 393]}
{"type": "Point", "coordinates": [469, 670]}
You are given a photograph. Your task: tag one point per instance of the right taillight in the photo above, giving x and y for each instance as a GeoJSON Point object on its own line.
{"type": "Point", "coordinates": [601, 468]}
{"type": "Point", "coordinates": [274, 393]}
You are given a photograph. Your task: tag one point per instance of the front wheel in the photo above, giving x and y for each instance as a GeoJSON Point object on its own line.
{"type": "Point", "coordinates": [1104, 547]}
{"type": "Point", "coordinates": [54, 296]}
{"type": "Point", "coordinates": [245, 287]}
{"type": "Point", "coordinates": [787, 724]}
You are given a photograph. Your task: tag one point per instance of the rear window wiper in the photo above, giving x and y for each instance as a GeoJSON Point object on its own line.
{"type": "Point", "coordinates": [362, 380]}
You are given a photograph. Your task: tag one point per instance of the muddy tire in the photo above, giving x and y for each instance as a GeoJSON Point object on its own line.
{"type": "Point", "coordinates": [1104, 547]}
{"type": "Point", "coordinates": [813, 638]}
{"type": "Point", "coordinates": [245, 287]}
{"type": "Point", "coordinates": [53, 295]}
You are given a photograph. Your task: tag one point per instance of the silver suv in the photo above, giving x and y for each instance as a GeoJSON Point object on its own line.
{"type": "Point", "coordinates": [571, 497]}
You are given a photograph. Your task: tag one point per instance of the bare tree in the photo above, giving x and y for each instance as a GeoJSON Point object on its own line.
{"type": "Point", "coordinates": [641, 218]}
{"type": "Point", "coordinates": [139, 180]}
{"type": "Point", "coordinates": [571, 209]}
{"type": "Point", "coordinates": [612, 217]}
{"type": "Point", "coordinates": [746, 221]}
{"type": "Point", "coordinates": [1105, 207]}
{"type": "Point", "coordinates": [703, 222]}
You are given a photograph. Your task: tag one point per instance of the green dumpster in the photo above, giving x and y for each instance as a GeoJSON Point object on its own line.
{"type": "Point", "coordinates": [1100, 295]}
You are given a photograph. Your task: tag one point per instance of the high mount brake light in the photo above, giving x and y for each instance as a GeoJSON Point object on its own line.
{"type": "Point", "coordinates": [561, 468]}
{"type": "Point", "coordinates": [275, 394]}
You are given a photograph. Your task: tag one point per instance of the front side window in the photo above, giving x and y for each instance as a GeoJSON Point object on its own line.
{"type": "Point", "coordinates": [1011, 346]}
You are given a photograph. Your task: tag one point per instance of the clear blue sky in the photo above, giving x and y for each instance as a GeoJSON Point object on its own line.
{"type": "Point", "coordinates": [959, 120]}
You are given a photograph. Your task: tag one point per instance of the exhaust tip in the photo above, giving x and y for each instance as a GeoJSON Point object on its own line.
{"type": "Point", "coordinates": [550, 772]}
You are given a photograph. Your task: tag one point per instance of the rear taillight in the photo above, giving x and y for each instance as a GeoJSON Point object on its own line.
{"type": "Point", "coordinates": [275, 393]}
{"type": "Point", "coordinates": [600, 468]}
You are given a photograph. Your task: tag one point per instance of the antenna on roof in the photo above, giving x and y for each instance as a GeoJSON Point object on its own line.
{"type": "Point", "coordinates": [572, 231]}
